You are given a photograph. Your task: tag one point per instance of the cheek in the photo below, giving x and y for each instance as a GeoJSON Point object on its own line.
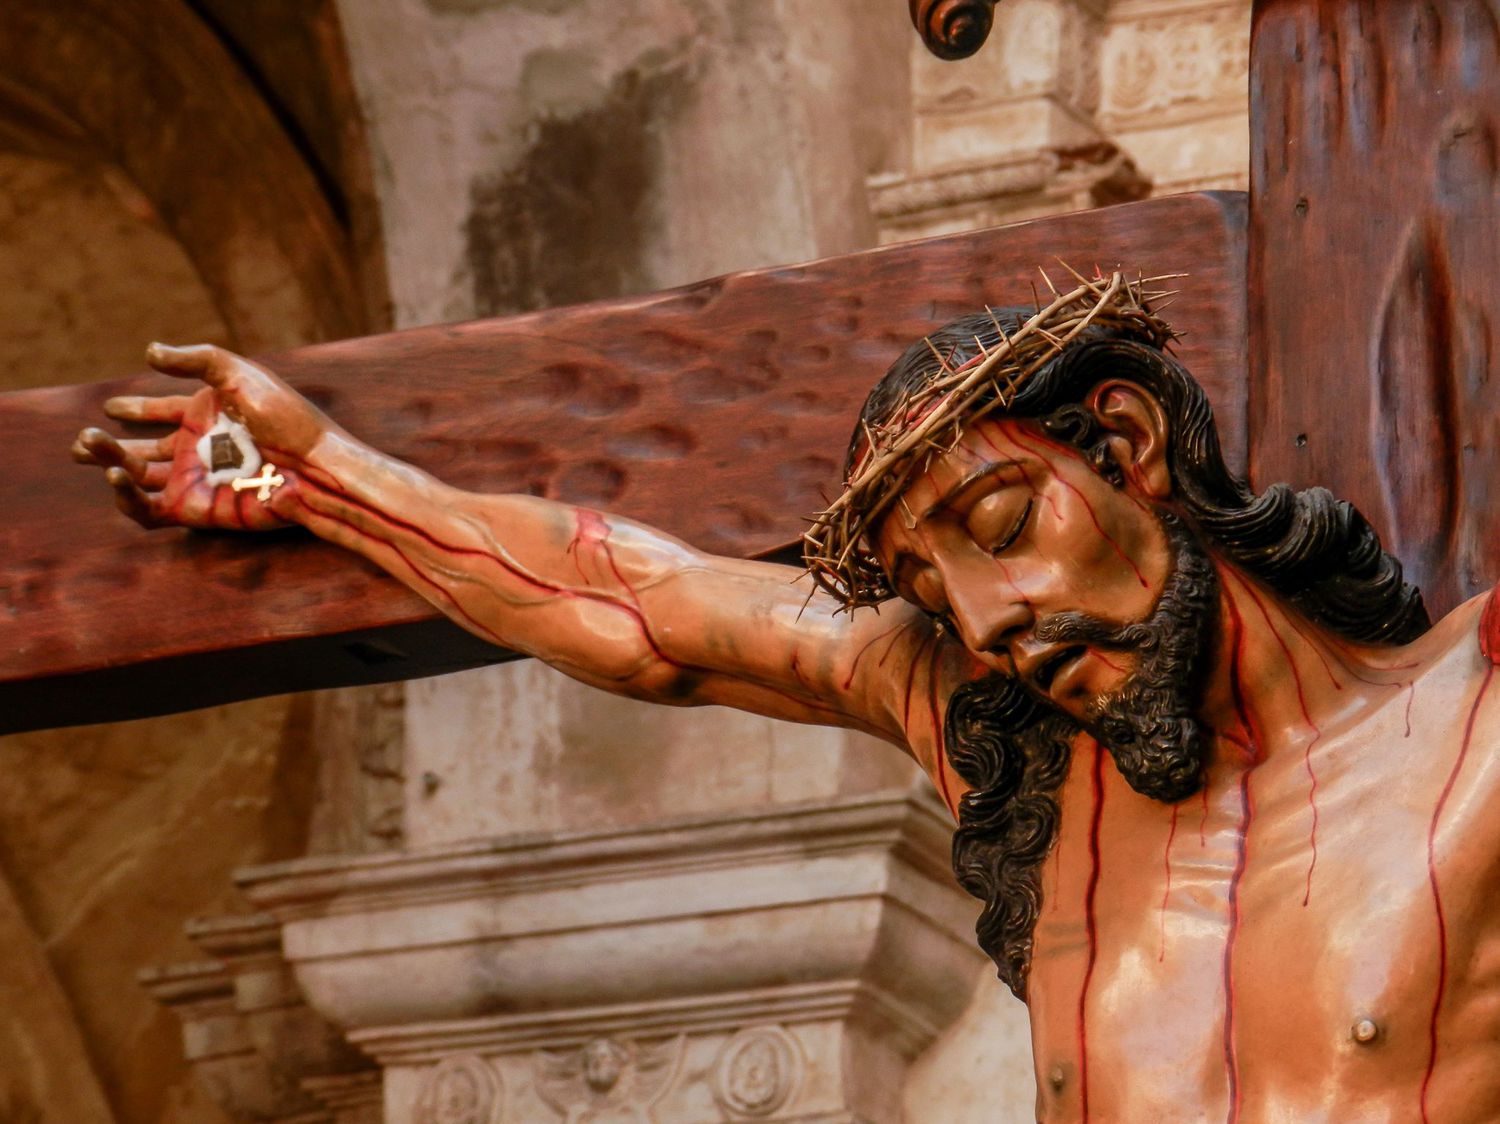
{"type": "Point", "coordinates": [1111, 547]}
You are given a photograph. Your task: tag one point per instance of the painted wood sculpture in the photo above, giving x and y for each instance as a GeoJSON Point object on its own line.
{"type": "Point", "coordinates": [1060, 570]}
{"type": "Point", "coordinates": [1225, 790]}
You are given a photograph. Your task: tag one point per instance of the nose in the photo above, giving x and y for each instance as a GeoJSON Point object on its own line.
{"type": "Point", "coordinates": [987, 614]}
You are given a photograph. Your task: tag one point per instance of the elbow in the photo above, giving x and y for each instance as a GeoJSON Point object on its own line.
{"type": "Point", "coordinates": [660, 681]}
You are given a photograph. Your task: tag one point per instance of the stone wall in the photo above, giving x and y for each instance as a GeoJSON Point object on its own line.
{"type": "Point", "coordinates": [1073, 104]}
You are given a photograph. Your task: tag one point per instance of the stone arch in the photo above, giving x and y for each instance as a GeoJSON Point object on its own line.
{"type": "Point", "coordinates": [155, 105]}
{"type": "Point", "coordinates": [194, 168]}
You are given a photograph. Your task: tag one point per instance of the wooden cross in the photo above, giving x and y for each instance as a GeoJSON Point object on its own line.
{"type": "Point", "coordinates": [1343, 320]}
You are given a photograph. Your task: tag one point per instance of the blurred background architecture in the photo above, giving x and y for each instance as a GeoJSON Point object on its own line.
{"type": "Point", "coordinates": [500, 896]}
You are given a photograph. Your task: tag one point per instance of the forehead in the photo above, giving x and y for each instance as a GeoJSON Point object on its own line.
{"type": "Point", "coordinates": [985, 446]}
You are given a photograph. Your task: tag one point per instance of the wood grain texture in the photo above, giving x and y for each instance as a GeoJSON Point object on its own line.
{"type": "Point", "coordinates": [1375, 233]}
{"type": "Point", "coordinates": [718, 412]}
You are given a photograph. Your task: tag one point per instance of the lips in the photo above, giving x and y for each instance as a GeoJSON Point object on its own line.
{"type": "Point", "coordinates": [1052, 671]}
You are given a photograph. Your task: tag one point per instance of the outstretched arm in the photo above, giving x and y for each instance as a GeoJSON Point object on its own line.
{"type": "Point", "coordinates": [606, 600]}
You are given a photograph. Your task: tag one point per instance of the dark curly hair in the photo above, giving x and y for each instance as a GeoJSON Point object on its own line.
{"type": "Point", "coordinates": [1312, 549]}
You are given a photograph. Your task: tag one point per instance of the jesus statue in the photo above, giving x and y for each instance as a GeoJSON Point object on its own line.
{"type": "Point", "coordinates": [1228, 796]}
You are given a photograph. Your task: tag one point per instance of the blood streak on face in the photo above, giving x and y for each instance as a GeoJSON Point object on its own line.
{"type": "Point", "coordinates": [1009, 529]}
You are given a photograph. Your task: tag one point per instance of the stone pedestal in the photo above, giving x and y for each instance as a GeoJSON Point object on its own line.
{"type": "Point", "coordinates": [785, 965]}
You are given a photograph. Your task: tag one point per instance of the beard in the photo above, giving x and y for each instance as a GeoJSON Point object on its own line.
{"type": "Point", "coordinates": [1013, 747]}
{"type": "Point", "coordinates": [1150, 724]}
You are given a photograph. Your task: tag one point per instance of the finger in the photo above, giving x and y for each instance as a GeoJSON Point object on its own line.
{"type": "Point", "coordinates": [142, 459]}
{"type": "Point", "coordinates": [132, 501]}
{"type": "Point", "coordinates": [135, 408]}
{"type": "Point", "coordinates": [198, 361]}
{"type": "Point", "coordinates": [95, 446]}
{"type": "Point", "coordinates": [103, 449]}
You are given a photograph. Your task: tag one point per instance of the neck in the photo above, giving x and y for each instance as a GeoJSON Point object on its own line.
{"type": "Point", "coordinates": [1278, 680]}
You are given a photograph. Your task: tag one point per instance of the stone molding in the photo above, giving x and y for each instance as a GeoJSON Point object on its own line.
{"type": "Point", "coordinates": [253, 1043]}
{"type": "Point", "coordinates": [1167, 63]}
{"type": "Point", "coordinates": [1095, 168]}
{"type": "Point", "coordinates": [907, 1027]}
{"type": "Point", "coordinates": [1155, 91]}
{"type": "Point", "coordinates": [786, 964]}
{"type": "Point", "coordinates": [1022, 186]}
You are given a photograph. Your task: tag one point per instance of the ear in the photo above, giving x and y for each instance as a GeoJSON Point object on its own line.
{"type": "Point", "coordinates": [1136, 426]}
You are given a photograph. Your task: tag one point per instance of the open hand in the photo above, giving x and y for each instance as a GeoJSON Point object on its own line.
{"type": "Point", "coordinates": [163, 481]}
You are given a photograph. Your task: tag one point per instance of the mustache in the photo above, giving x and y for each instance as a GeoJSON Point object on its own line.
{"type": "Point", "coordinates": [1084, 628]}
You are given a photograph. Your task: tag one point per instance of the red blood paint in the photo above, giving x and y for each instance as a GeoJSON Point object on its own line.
{"type": "Point", "coordinates": [1242, 850]}
{"type": "Point", "coordinates": [1093, 516]}
{"type": "Point", "coordinates": [1037, 492]}
{"type": "Point", "coordinates": [1020, 468]}
{"type": "Point", "coordinates": [1437, 895]}
{"type": "Point", "coordinates": [443, 594]}
{"type": "Point", "coordinates": [1091, 927]}
{"type": "Point", "coordinates": [1203, 820]}
{"type": "Point", "coordinates": [1489, 627]}
{"type": "Point", "coordinates": [573, 544]}
{"type": "Point", "coordinates": [1411, 694]}
{"type": "Point", "coordinates": [1312, 775]}
{"type": "Point", "coordinates": [940, 764]}
{"type": "Point", "coordinates": [911, 681]}
{"type": "Point", "coordinates": [1317, 649]}
{"type": "Point", "coordinates": [602, 597]}
{"type": "Point", "coordinates": [892, 634]}
{"type": "Point", "coordinates": [1167, 893]}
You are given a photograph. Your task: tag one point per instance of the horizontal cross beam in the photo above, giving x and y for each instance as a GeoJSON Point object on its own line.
{"type": "Point", "coordinates": [718, 412]}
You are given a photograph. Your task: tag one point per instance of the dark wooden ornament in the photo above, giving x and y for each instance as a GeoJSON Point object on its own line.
{"type": "Point", "coordinates": [953, 29]}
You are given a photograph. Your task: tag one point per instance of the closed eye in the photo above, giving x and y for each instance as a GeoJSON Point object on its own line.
{"type": "Point", "coordinates": [1015, 530]}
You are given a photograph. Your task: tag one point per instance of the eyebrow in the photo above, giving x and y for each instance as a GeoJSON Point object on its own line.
{"type": "Point", "coordinates": [978, 476]}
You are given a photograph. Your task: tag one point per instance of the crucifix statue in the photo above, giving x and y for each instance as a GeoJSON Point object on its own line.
{"type": "Point", "coordinates": [1223, 786]}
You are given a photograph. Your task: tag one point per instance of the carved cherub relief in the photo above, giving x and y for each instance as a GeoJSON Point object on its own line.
{"type": "Point", "coordinates": [608, 1081]}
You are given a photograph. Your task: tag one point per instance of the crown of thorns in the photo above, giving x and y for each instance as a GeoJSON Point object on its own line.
{"type": "Point", "coordinates": [931, 419]}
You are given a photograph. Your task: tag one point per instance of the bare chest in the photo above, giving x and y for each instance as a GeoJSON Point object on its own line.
{"type": "Point", "coordinates": [1316, 929]}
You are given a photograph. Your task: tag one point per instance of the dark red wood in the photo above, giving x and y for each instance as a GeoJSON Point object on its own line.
{"type": "Point", "coordinates": [1375, 236]}
{"type": "Point", "coordinates": [718, 412]}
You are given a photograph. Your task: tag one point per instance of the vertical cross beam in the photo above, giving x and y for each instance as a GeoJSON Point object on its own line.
{"type": "Point", "coordinates": [1374, 307]}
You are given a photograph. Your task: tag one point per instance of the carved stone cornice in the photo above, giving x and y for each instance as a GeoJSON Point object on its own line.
{"type": "Point", "coordinates": [381, 940]}
{"type": "Point", "coordinates": [777, 966]}
{"type": "Point", "coordinates": [907, 1027]}
{"type": "Point", "coordinates": [1167, 63]}
{"type": "Point", "coordinates": [1038, 182]}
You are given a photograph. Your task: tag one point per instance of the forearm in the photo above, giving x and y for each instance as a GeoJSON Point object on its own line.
{"type": "Point", "coordinates": [547, 579]}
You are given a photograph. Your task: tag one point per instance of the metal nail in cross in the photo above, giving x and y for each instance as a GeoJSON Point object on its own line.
{"type": "Point", "coordinates": [268, 481]}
